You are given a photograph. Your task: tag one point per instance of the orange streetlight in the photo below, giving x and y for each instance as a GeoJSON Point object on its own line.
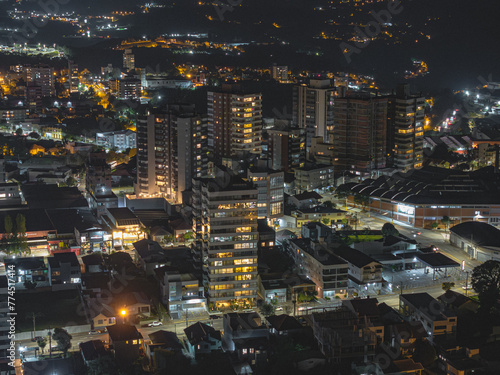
{"type": "Point", "coordinates": [123, 312]}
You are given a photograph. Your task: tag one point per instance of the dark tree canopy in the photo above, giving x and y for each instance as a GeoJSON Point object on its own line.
{"type": "Point", "coordinates": [486, 282]}
{"type": "Point", "coordinates": [63, 339]}
{"type": "Point", "coordinates": [389, 229]}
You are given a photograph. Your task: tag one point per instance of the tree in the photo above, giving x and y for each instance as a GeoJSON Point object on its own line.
{"type": "Point", "coordinates": [267, 309]}
{"type": "Point", "coordinates": [187, 236]}
{"type": "Point", "coordinates": [389, 229]}
{"type": "Point", "coordinates": [329, 204]}
{"type": "Point", "coordinates": [446, 221]}
{"type": "Point", "coordinates": [486, 282]}
{"type": "Point", "coordinates": [42, 343]}
{"type": "Point", "coordinates": [447, 285]}
{"type": "Point", "coordinates": [9, 227]}
{"type": "Point", "coordinates": [29, 284]}
{"type": "Point", "coordinates": [424, 353]}
{"type": "Point", "coordinates": [19, 132]}
{"type": "Point", "coordinates": [63, 339]}
{"type": "Point", "coordinates": [21, 239]}
{"type": "Point", "coordinates": [34, 135]}
{"type": "Point", "coordinates": [435, 225]}
{"type": "Point", "coordinates": [70, 181]}
{"type": "Point", "coordinates": [103, 365]}
{"type": "Point", "coordinates": [326, 221]}
{"type": "Point", "coordinates": [361, 200]}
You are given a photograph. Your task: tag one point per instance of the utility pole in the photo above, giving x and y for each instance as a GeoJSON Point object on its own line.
{"type": "Point", "coordinates": [187, 312]}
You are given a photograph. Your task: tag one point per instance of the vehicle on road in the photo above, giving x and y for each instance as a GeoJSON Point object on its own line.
{"type": "Point", "coordinates": [214, 316]}
{"type": "Point", "coordinates": [37, 338]}
{"type": "Point", "coordinates": [467, 287]}
{"type": "Point", "coordinates": [95, 332]}
{"type": "Point", "coordinates": [156, 323]}
{"type": "Point", "coordinates": [279, 308]}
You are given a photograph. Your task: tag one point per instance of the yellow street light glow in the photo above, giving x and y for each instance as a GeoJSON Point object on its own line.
{"type": "Point", "coordinates": [123, 312]}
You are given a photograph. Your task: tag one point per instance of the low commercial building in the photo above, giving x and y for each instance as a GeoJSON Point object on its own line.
{"type": "Point", "coordinates": [323, 214]}
{"type": "Point", "coordinates": [422, 197]}
{"type": "Point", "coordinates": [125, 226]}
{"type": "Point", "coordinates": [480, 241]}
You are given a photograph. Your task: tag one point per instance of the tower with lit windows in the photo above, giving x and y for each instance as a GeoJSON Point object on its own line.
{"type": "Point", "coordinates": [234, 123]}
{"type": "Point", "coordinates": [405, 135]}
{"type": "Point", "coordinates": [225, 223]}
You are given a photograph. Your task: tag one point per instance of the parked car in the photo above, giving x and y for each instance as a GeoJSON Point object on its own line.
{"type": "Point", "coordinates": [156, 323]}
{"type": "Point", "coordinates": [467, 287]}
{"type": "Point", "coordinates": [37, 338]}
{"type": "Point", "coordinates": [279, 308]}
{"type": "Point", "coordinates": [215, 316]}
{"type": "Point", "coordinates": [95, 332]}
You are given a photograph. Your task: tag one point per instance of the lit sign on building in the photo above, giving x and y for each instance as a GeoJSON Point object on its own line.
{"type": "Point", "coordinates": [408, 210]}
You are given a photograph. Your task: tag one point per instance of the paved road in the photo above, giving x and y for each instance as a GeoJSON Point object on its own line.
{"type": "Point", "coordinates": [177, 327]}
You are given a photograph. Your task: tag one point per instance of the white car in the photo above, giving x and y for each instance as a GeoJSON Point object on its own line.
{"type": "Point", "coordinates": [279, 308]}
{"type": "Point", "coordinates": [467, 287]}
{"type": "Point", "coordinates": [156, 323]}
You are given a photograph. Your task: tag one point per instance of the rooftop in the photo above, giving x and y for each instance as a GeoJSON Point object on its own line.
{"type": "Point", "coordinates": [481, 234]}
{"type": "Point", "coordinates": [122, 332]}
{"type": "Point", "coordinates": [199, 332]}
{"type": "Point", "coordinates": [353, 256]}
{"type": "Point", "coordinates": [432, 185]}
{"type": "Point", "coordinates": [122, 213]}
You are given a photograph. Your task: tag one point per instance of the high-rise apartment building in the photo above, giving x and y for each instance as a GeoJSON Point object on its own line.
{"type": "Point", "coordinates": [286, 148]}
{"type": "Point", "coordinates": [313, 108]}
{"type": "Point", "coordinates": [279, 73]}
{"type": "Point", "coordinates": [405, 135]}
{"type": "Point", "coordinates": [171, 151]}
{"type": "Point", "coordinates": [43, 76]}
{"type": "Point", "coordinates": [359, 133]}
{"type": "Point", "coordinates": [128, 60]}
{"type": "Point", "coordinates": [225, 223]}
{"type": "Point", "coordinates": [73, 78]}
{"type": "Point", "coordinates": [235, 123]}
{"type": "Point", "coordinates": [270, 185]}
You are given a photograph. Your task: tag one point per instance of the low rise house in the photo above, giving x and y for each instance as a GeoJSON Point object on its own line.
{"type": "Point", "coordinates": [126, 342]}
{"type": "Point", "coordinates": [64, 268]}
{"type": "Point", "coordinates": [93, 263]}
{"type": "Point", "coordinates": [243, 326]}
{"type": "Point", "coordinates": [92, 350]}
{"type": "Point", "coordinates": [134, 303]}
{"type": "Point", "coordinates": [435, 317]}
{"type": "Point", "coordinates": [283, 324]}
{"type": "Point", "coordinates": [28, 270]}
{"type": "Point", "coordinates": [102, 315]}
{"type": "Point", "coordinates": [202, 339]}
{"type": "Point", "coordinates": [307, 199]}
{"type": "Point", "coordinates": [274, 290]}
{"type": "Point", "coordinates": [164, 340]}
